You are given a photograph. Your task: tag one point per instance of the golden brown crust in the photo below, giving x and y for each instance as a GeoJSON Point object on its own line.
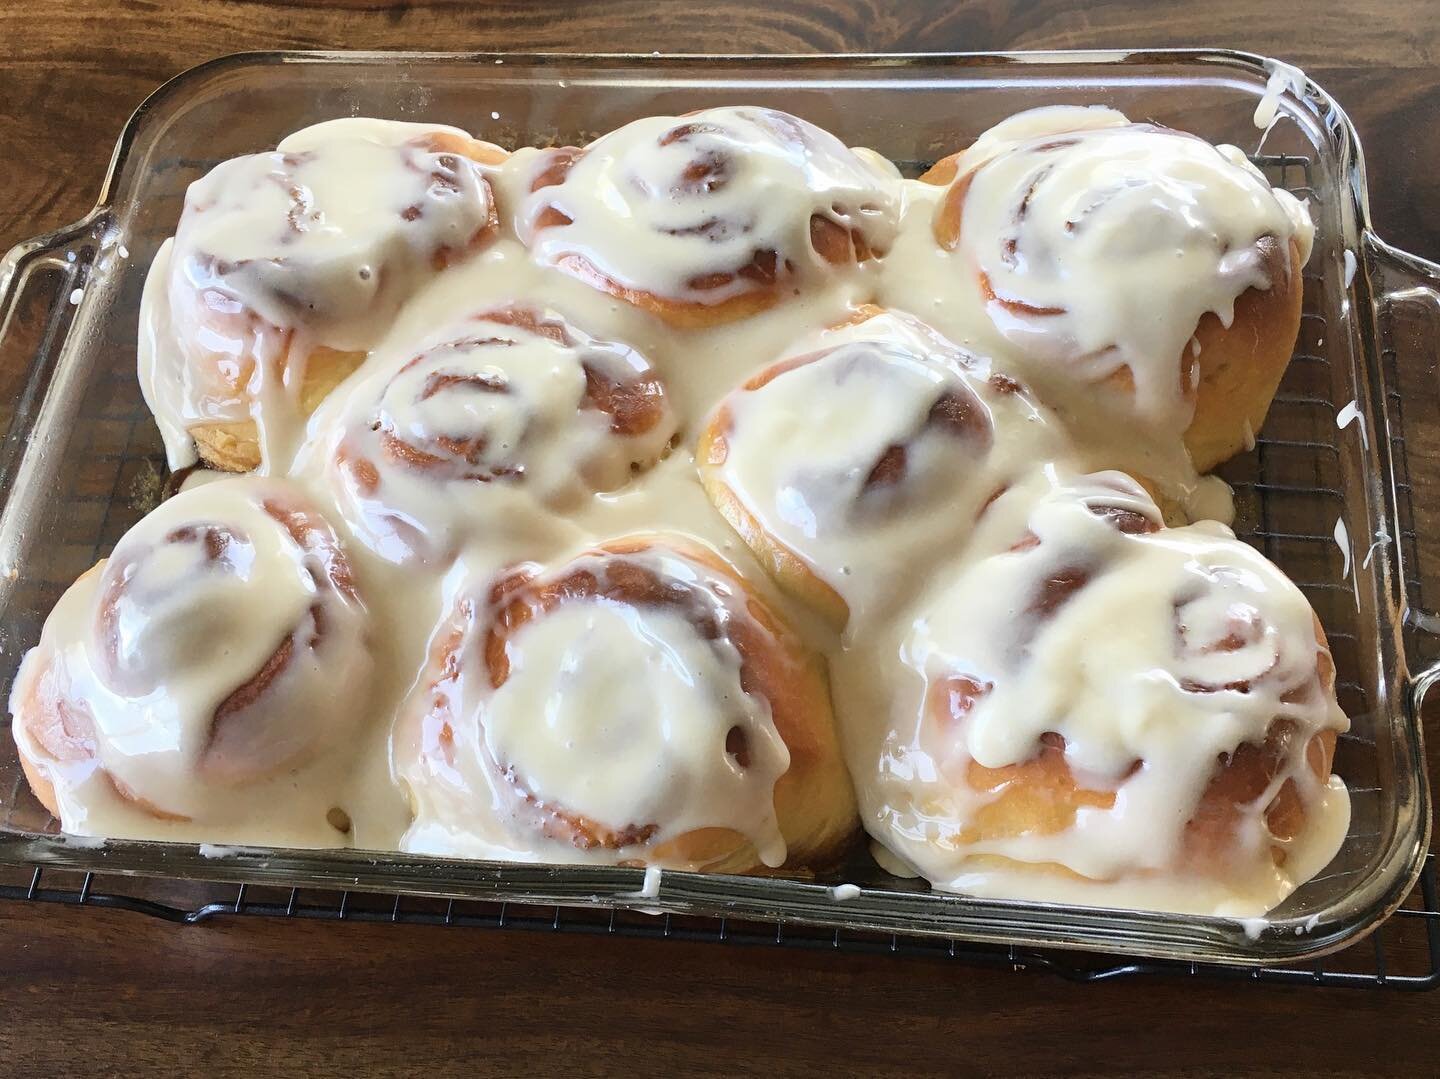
{"type": "Point", "coordinates": [682, 314]}
{"type": "Point", "coordinates": [477, 150]}
{"type": "Point", "coordinates": [943, 171]}
{"type": "Point", "coordinates": [946, 226]}
{"type": "Point", "coordinates": [234, 445]}
{"type": "Point", "coordinates": [1241, 366]}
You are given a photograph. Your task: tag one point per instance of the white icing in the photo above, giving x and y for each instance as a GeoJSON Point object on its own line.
{"type": "Point", "coordinates": [1382, 539]}
{"type": "Point", "coordinates": [1350, 413]}
{"type": "Point", "coordinates": [842, 893]}
{"type": "Point", "coordinates": [1342, 540]}
{"type": "Point", "coordinates": [803, 450]}
{"type": "Point", "coordinates": [665, 202]}
{"type": "Point", "coordinates": [83, 842]}
{"type": "Point", "coordinates": [650, 887]}
{"type": "Point", "coordinates": [1283, 77]}
{"type": "Point", "coordinates": [480, 424]}
{"type": "Point", "coordinates": [1350, 267]}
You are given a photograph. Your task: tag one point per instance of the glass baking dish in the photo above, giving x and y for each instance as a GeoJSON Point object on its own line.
{"type": "Point", "coordinates": [81, 459]}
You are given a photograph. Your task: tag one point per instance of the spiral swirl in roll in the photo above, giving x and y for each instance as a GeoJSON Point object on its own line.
{"type": "Point", "coordinates": [508, 404]}
{"type": "Point", "coordinates": [638, 705]}
{"type": "Point", "coordinates": [1110, 701]}
{"type": "Point", "coordinates": [842, 466]}
{"type": "Point", "coordinates": [712, 216]}
{"type": "Point", "coordinates": [1136, 258]}
{"type": "Point", "coordinates": [221, 643]}
{"type": "Point", "coordinates": [287, 266]}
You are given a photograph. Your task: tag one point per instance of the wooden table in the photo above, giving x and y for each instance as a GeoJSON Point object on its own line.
{"type": "Point", "coordinates": [93, 992]}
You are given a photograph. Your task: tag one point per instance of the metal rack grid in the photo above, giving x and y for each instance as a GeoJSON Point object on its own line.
{"type": "Point", "coordinates": [1297, 458]}
{"type": "Point", "coordinates": [1403, 954]}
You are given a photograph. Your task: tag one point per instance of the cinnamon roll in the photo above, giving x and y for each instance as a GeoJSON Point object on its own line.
{"type": "Point", "coordinates": [1132, 262]}
{"type": "Point", "coordinates": [637, 705]}
{"type": "Point", "coordinates": [287, 266]}
{"type": "Point", "coordinates": [221, 644]}
{"type": "Point", "coordinates": [1096, 705]}
{"type": "Point", "coordinates": [844, 467]}
{"type": "Point", "coordinates": [712, 216]}
{"type": "Point", "coordinates": [500, 410]}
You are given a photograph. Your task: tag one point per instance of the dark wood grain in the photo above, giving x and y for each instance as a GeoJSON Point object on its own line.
{"type": "Point", "coordinates": [109, 993]}
{"type": "Point", "coordinates": [91, 992]}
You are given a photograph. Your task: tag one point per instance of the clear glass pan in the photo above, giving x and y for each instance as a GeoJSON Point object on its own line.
{"type": "Point", "coordinates": [81, 459]}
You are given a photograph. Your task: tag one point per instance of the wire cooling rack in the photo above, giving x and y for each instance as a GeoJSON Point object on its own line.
{"type": "Point", "coordinates": [1403, 954]}
{"type": "Point", "coordinates": [1288, 495]}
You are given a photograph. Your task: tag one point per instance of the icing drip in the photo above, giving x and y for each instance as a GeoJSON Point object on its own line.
{"type": "Point", "coordinates": [1283, 77]}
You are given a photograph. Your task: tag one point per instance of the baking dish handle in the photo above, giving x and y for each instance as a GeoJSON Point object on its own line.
{"type": "Point", "coordinates": [1405, 292]}
{"type": "Point", "coordinates": [39, 279]}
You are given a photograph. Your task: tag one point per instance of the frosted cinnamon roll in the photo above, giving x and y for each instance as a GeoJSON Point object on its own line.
{"type": "Point", "coordinates": [499, 410]}
{"type": "Point", "coordinates": [637, 705]}
{"type": "Point", "coordinates": [846, 467]}
{"type": "Point", "coordinates": [709, 217]}
{"type": "Point", "coordinates": [1103, 710]}
{"type": "Point", "coordinates": [287, 266]}
{"type": "Point", "coordinates": [221, 644]}
{"type": "Point", "coordinates": [1135, 262]}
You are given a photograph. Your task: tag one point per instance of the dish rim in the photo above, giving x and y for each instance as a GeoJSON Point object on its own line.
{"type": "Point", "coordinates": [1007, 921]}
